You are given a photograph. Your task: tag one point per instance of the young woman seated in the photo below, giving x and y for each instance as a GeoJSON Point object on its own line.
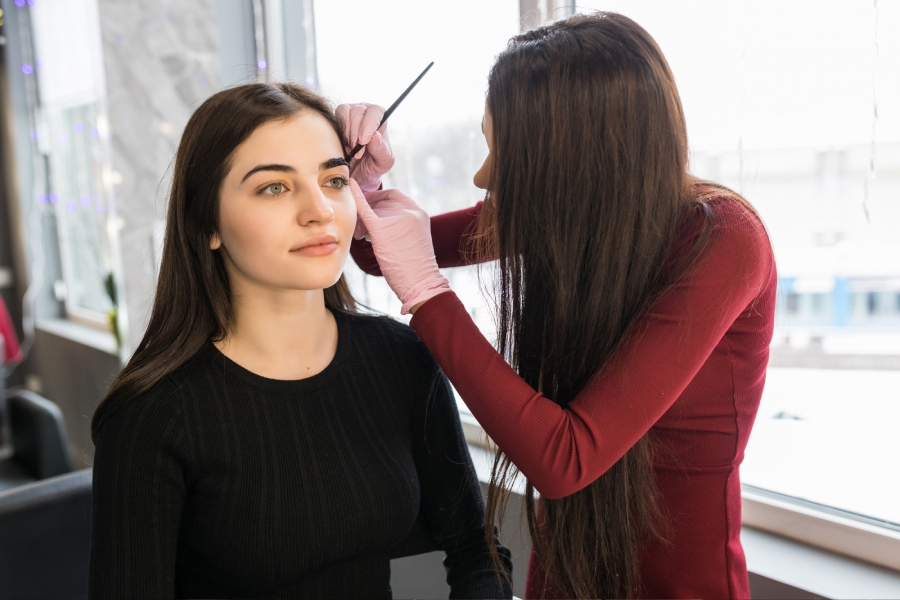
{"type": "Point", "coordinates": [266, 439]}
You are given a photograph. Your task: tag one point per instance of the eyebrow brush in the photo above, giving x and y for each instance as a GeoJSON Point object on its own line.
{"type": "Point", "coordinates": [393, 106]}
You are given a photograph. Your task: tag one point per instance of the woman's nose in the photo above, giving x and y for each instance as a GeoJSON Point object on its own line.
{"type": "Point", "coordinates": [314, 207]}
{"type": "Point", "coordinates": [482, 178]}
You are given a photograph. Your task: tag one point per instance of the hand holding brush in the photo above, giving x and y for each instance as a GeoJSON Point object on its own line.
{"type": "Point", "coordinates": [365, 132]}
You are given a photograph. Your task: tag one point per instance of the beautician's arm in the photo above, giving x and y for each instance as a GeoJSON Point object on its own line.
{"type": "Point", "coordinates": [139, 492]}
{"type": "Point", "coordinates": [450, 234]}
{"type": "Point", "coordinates": [452, 502]}
{"type": "Point", "coordinates": [562, 450]}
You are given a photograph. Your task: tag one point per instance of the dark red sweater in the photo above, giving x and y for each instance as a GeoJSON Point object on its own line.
{"type": "Point", "coordinates": [694, 374]}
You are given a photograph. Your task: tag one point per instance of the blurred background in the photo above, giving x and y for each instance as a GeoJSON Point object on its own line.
{"type": "Point", "coordinates": [796, 105]}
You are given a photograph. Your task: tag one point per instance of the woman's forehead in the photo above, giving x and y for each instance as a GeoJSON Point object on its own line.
{"type": "Point", "coordinates": [306, 140]}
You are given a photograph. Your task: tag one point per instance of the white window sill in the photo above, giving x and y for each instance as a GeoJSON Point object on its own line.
{"type": "Point", "coordinates": [815, 570]}
{"type": "Point", "coordinates": [79, 333]}
{"type": "Point", "coordinates": [861, 538]}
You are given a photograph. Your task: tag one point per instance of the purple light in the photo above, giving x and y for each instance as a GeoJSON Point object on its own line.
{"type": "Point", "coordinates": [310, 81]}
{"type": "Point", "coordinates": [20, 2]}
{"type": "Point", "coordinates": [54, 197]}
{"type": "Point", "coordinates": [79, 126]}
{"type": "Point", "coordinates": [30, 2]}
{"type": "Point", "coordinates": [95, 134]}
{"type": "Point", "coordinates": [26, 68]}
{"type": "Point", "coordinates": [42, 198]}
{"type": "Point", "coordinates": [71, 206]}
{"type": "Point", "coordinates": [62, 138]}
{"type": "Point", "coordinates": [261, 64]}
{"type": "Point", "coordinates": [101, 209]}
{"type": "Point", "coordinates": [85, 200]}
{"type": "Point", "coordinates": [38, 64]}
{"type": "Point", "coordinates": [201, 80]}
{"type": "Point", "coordinates": [33, 134]}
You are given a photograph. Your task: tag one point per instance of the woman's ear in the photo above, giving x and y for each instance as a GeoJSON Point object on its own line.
{"type": "Point", "coordinates": [215, 242]}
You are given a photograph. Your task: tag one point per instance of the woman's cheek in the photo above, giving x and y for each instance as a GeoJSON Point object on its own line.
{"type": "Point", "coordinates": [345, 212]}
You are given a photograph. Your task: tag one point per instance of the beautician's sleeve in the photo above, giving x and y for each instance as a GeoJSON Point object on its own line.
{"type": "Point", "coordinates": [452, 502]}
{"type": "Point", "coordinates": [450, 235]}
{"type": "Point", "coordinates": [562, 450]}
{"type": "Point", "coordinates": [139, 492]}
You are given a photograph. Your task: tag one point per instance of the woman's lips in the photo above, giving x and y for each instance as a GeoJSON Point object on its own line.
{"type": "Point", "coordinates": [317, 250]}
{"type": "Point", "coordinates": [321, 245]}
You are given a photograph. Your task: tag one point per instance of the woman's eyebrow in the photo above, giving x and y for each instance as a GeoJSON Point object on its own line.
{"type": "Point", "coordinates": [334, 162]}
{"type": "Point", "coordinates": [281, 168]}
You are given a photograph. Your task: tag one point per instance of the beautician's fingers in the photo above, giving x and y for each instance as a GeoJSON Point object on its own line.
{"type": "Point", "coordinates": [357, 113]}
{"type": "Point", "coordinates": [345, 113]}
{"type": "Point", "coordinates": [379, 149]}
{"type": "Point", "coordinates": [364, 213]}
{"type": "Point", "coordinates": [342, 112]}
{"type": "Point", "coordinates": [371, 120]}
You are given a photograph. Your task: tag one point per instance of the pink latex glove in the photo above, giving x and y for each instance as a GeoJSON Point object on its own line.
{"type": "Point", "coordinates": [400, 233]}
{"type": "Point", "coordinates": [376, 157]}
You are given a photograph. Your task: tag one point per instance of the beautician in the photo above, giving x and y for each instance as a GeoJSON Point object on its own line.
{"type": "Point", "coordinates": [635, 308]}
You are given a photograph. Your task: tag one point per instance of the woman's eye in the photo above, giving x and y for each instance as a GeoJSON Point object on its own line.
{"type": "Point", "coordinates": [273, 189]}
{"type": "Point", "coordinates": [337, 183]}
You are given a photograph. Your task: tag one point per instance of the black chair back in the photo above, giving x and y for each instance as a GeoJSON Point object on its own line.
{"type": "Point", "coordinates": [45, 538]}
{"type": "Point", "coordinates": [39, 441]}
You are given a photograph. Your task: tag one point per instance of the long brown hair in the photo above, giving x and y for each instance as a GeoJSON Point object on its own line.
{"type": "Point", "coordinates": [193, 300]}
{"type": "Point", "coordinates": [584, 209]}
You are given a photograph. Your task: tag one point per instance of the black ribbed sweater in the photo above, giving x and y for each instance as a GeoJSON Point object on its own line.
{"type": "Point", "coordinates": [221, 483]}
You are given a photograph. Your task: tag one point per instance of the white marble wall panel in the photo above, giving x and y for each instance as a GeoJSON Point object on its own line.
{"type": "Point", "coordinates": [161, 60]}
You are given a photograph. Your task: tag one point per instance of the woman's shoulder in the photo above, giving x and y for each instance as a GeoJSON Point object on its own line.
{"type": "Point", "coordinates": [160, 404]}
{"type": "Point", "coordinates": [146, 415]}
{"type": "Point", "coordinates": [733, 221]}
{"type": "Point", "coordinates": [730, 210]}
{"type": "Point", "coordinates": [387, 337]}
{"type": "Point", "coordinates": [738, 243]}
{"type": "Point", "coordinates": [383, 326]}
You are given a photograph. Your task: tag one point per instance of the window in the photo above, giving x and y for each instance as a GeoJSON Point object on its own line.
{"type": "Point", "coordinates": [436, 132]}
{"type": "Point", "coordinates": [780, 101]}
{"type": "Point", "coordinates": [69, 137]}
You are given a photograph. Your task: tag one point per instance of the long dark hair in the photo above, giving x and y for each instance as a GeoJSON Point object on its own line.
{"type": "Point", "coordinates": [584, 208]}
{"type": "Point", "coordinates": [193, 300]}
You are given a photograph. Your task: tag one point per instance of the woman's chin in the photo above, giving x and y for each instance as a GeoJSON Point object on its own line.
{"type": "Point", "coordinates": [319, 281]}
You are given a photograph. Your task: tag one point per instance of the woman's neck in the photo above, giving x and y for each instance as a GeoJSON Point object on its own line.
{"type": "Point", "coordinates": [281, 334]}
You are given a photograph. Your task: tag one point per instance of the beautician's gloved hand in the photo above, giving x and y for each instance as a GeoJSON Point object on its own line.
{"type": "Point", "coordinates": [400, 233]}
{"type": "Point", "coordinates": [376, 157]}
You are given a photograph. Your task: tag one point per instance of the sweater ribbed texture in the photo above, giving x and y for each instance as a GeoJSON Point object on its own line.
{"type": "Point", "coordinates": [218, 482]}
